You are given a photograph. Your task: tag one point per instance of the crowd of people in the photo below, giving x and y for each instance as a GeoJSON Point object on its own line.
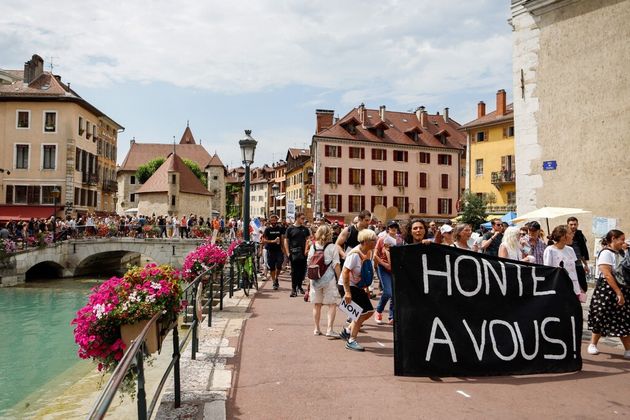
{"type": "Point", "coordinates": [367, 242]}
{"type": "Point", "coordinates": [348, 252]}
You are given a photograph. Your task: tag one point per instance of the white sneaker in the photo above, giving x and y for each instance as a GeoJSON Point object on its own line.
{"type": "Point", "coordinates": [592, 349]}
{"type": "Point", "coordinates": [626, 354]}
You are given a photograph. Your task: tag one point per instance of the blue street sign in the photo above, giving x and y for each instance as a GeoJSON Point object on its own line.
{"type": "Point", "coordinates": [550, 165]}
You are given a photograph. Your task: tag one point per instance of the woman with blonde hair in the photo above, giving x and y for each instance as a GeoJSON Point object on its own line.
{"type": "Point", "coordinates": [350, 288]}
{"type": "Point", "coordinates": [510, 246]}
{"type": "Point", "coordinates": [324, 291]}
{"type": "Point", "coordinates": [461, 235]}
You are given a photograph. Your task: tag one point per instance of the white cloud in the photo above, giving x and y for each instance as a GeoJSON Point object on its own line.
{"type": "Point", "coordinates": [405, 50]}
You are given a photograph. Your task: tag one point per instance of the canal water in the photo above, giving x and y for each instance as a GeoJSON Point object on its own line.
{"type": "Point", "coordinates": [38, 356]}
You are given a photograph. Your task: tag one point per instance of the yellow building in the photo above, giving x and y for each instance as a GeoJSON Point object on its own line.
{"type": "Point", "coordinates": [490, 147]}
{"type": "Point", "coordinates": [297, 177]}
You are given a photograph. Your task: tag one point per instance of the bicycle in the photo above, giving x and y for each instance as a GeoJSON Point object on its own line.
{"type": "Point", "coordinates": [245, 267]}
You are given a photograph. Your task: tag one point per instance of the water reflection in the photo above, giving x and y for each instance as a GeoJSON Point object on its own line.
{"type": "Point", "coordinates": [37, 344]}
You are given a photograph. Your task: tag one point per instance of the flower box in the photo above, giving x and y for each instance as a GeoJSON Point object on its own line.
{"type": "Point", "coordinates": [153, 339]}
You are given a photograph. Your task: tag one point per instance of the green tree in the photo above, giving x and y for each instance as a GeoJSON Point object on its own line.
{"type": "Point", "coordinates": [473, 209]}
{"type": "Point", "coordinates": [144, 172]}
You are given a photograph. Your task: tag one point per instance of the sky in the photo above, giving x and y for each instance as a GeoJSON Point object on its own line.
{"type": "Point", "coordinates": [266, 65]}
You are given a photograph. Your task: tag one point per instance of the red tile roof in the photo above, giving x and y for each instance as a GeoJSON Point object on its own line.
{"type": "Point", "coordinates": [399, 124]}
{"type": "Point", "coordinates": [141, 153]}
{"type": "Point", "coordinates": [296, 153]}
{"type": "Point", "coordinates": [159, 181]}
{"type": "Point", "coordinates": [215, 161]}
{"type": "Point", "coordinates": [491, 118]}
{"type": "Point", "coordinates": [187, 137]}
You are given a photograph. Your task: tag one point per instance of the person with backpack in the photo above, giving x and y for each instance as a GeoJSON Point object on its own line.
{"type": "Point", "coordinates": [357, 273]}
{"type": "Point", "coordinates": [295, 242]}
{"type": "Point", "coordinates": [609, 311]}
{"type": "Point", "coordinates": [323, 270]}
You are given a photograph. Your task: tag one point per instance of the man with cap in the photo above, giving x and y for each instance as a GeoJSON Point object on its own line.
{"type": "Point", "coordinates": [272, 240]}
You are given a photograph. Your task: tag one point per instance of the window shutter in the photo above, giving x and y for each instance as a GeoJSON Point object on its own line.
{"type": "Point", "coordinates": [438, 206]}
{"type": "Point", "coordinates": [373, 177]}
{"type": "Point", "coordinates": [326, 203]}
{"type": "Point", "coordinates": [450, 205]}
{"type": "Point", "coordinates": [339, 176]}
{"type": "Point", "coordinates": [384, 178]}
{"type": "Point", "coordinates": [406, 179]}
{"type": "Point", "coordinates": [362, 153]}
{"type": "Point", "coordinates": [362, 176]}
{"type": "Point", "coordinates": [384, 154]}
{"type": "Point", "coordinates": [338, 151]}
{"type": "Point", "coordinates": [326, 150]}
{"type": "Point", "coordinates": [423, 179]}
{"type": "Point", "coordinates": [362, 203]}
{"type": "Point", "coordinates": [385, 200]}
{"type": "Point", "coordinates": [350, 203]}
{"type": "Point", "coordinates": [445, 181]}
{"type": "Point", "coordinates": [373, 154]}
{"type": "Point", "coordinates": [406, 204]}
{"type": "Point", "coordinates": [326, 175]}
{"type": "Point", "coordinates": [350, 180]}
{"type": "Point", "coordinates": [372, 203]}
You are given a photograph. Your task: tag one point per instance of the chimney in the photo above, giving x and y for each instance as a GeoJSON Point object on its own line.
{"type": "Point", "coordinates": [362, 114]}
{"type": "Point", "coordinates": [501, 102]}
{"type": "Point", "coordinates": [424, 118]}
{"type": "Point", "coordinates": [446, 115]}
{"type": "Point", "coordinates": [419, 112]}
{"type": "Point", "coordinates": [33, 68]}
{"type": "Point", "coordinates": [381, 112]}
{"type": "Point", "coordinates": [324, 119]}
{"type": "Point", "coordinates": [481, 109]}
{"type": "Point", "coordinates": [132, 141]}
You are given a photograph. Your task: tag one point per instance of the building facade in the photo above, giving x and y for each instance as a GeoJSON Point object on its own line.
{"type": "Point", "coordinates": [278, 177]}
{"type": "Point", "coordinates": [491, 168]}
{"type": "Point", "coordinates": [571, 108]}
{"type": "Point", "coordinates": [298, 177]}
{"type": "Point", "coordinates": [141, 153]}
{"type": "Point", "coordinates": [57, 150]}
{"type": "Point", "coordinates": [216, 174]}
{"type": "Point", "coordinates": [409, 161]}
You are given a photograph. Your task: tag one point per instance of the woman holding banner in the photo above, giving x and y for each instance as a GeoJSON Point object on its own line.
{"type": "Point", "coordinates": [462, 233]}
{"type": "Point", "coordinates": [609, 312]}
{"type": "Point", "coordinates": [561, 255]}
{"type": "Point", "coordinates": [359, 259]}
{"type": "Point", "coordinates": [416, 232]}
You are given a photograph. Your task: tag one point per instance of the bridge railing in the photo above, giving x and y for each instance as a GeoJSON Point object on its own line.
{"type": "Point", "coordinates": [136, 353]}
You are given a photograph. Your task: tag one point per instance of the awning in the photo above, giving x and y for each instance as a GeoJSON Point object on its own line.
{"type": "Point", "coordinates": [16, 212]}
{"type": "Point", "coordinates": [332, 218]}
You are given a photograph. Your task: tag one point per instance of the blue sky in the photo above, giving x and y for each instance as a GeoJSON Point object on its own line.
{"type": "Point", "coordinates": [264, 65]}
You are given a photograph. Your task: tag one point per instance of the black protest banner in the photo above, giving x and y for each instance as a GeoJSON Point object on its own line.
{"type": "Point", "coordinates": [461, 313]}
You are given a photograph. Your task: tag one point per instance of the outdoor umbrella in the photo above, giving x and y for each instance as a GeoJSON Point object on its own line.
{"type": "Point", "coordinates": [548, 213]}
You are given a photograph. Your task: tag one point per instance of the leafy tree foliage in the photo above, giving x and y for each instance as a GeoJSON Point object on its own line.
{"type": "Point", "coordinates": [473, 209]}
{"type": "Point", "coordinates": [144, 172]}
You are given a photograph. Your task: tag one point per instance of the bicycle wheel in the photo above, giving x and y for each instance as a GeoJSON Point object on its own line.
{"type": "Point", "coordinates": [246, 283]}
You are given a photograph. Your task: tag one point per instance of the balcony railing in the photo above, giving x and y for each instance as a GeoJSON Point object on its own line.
{"type": "Point", "coordinates": [90, 179]}
{"type": "Point", "coordinates": [110, 186]}
{"type": "Point", "coordinates": [503, 177]}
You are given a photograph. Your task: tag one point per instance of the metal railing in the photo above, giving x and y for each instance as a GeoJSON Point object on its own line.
{"type": "Point", "coordinates": [136, 353]}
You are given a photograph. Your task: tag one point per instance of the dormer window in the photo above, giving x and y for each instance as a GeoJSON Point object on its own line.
{"type": "Point", "coordinates": [380, 132]}
{"type": "Point", "coordinates": [350, 128]}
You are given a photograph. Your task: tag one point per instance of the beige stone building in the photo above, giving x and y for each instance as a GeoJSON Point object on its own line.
{"type": "Point", "coordinates": [216, 174]}
{"type": "Point", "coordinates": [175, 191]}
{"type": "Point", "coordinates": [571, 107]}
{"type": "Point", "coordinates": [141, 153]}
{"type": "Point", "coordinates": [51, 138]}
{"type": "Point", "coordinates": [410, 161]}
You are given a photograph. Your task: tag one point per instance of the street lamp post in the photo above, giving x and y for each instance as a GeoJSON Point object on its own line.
{"type": "Point", "coordinates": [275, 189]}
{"type": "Point", "coordinates": [56, 193]}
{"type": "Point", "coordinates": [248, 148]}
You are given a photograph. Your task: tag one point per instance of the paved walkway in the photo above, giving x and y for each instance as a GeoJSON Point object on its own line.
{"type": "Point", "coordinates": [282, 371]}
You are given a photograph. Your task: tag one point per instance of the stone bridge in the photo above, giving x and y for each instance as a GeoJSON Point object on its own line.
{"type": "Point", "coordinates": [91, 256]}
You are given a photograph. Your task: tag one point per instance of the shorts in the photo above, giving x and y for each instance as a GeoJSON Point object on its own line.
{"type": "Point", "coordinates": [275, 259]}
{"type": "Point", "coordinates": [359, 297]}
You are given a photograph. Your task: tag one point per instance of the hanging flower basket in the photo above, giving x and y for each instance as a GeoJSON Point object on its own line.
{"type": "Point", "coordinates": [153, 339]}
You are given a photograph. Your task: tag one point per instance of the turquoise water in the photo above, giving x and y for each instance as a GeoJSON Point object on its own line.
{"type": "Point", "coordinates": [36, 343]}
